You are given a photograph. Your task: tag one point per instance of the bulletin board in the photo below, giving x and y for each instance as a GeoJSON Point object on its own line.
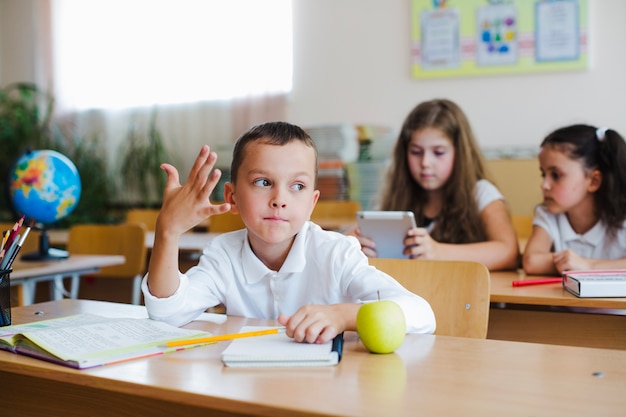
{"type": "Point", "coordinates": [452, 38]}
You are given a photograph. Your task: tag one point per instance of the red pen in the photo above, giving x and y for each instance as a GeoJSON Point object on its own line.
{"type": "Point", "coordinates": [537, 281]}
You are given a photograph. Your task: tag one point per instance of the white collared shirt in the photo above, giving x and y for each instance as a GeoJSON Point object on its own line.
{"type": "Point", "coordinates": [594, 244]}
{"type": "Point", "coordinates": [322, 267]}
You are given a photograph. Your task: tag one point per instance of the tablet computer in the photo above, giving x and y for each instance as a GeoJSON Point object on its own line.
{"type": "Point", "coordinates": [387, 229]}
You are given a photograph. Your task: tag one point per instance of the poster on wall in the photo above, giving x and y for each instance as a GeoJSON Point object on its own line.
{"type": "Point", "coordinates": [486, 37]}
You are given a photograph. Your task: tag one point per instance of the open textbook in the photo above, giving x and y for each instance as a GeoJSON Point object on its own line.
{"type": "Point", "coordinates": [86, 340]}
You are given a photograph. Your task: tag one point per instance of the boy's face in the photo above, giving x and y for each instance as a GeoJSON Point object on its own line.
{"type": "Point", "coordinates": [275, 192]}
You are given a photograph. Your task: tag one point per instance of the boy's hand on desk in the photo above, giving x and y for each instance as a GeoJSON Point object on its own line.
{"type": "Point", "coordinates": [184, 206]}
{"type": "Point", "coordinates": [319, 323]}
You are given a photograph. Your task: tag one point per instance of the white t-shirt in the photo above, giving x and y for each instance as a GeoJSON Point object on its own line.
{"type": "Point", "coordinates": [485, 194]}
{"type": "Point", "coordinates": [595, 244]}
{"type": "Point", "coordinates": [322, 267]}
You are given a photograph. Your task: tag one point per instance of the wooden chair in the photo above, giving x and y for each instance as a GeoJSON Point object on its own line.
{"type": "Point", "coordinates": [127, 239]}
{"type": "Point", "coordinates": [335, 214]}
{"type": "Point", "coordinates": [226, 222]}
{"type": "Point", "coordinates": [146, 216]}
{"type": "Point", "coordinates": [458, 292]}
{"type": "Point", "coordinates": [523, 226]}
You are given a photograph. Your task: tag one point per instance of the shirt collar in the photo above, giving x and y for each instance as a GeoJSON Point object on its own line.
{"type": "Point", "coordinates": [594, 236]}
{"type": "Point", "coordinates": [254, 270]}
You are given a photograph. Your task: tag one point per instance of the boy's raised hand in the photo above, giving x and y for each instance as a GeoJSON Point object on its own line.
{"type": "Point", "coordinates": [184, 206]}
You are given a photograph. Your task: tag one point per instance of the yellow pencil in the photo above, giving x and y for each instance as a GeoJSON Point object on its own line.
{"type": "Point", "coordinates": [222, 337]}
{"type": "Point", "coordinates": [5, 238]}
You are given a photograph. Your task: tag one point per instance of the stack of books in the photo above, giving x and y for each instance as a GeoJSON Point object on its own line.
{"type": "Point", "coordinates": [352, 160]}
{"type": "Point", "coordinates": [332, 181]}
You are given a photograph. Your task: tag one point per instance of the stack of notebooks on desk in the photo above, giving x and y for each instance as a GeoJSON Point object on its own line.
{"type": "Point", "coordinates": [596, 283]}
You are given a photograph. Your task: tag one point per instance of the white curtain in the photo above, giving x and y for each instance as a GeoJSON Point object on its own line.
{"type": "Point", "coordinates": [184, 126]}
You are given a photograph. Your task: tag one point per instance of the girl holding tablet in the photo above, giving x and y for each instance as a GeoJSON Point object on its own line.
{"type": "Point", "coordinates": [437, 172]}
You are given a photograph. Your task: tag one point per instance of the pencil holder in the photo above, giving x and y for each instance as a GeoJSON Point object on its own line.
{"type": "Point", "coordinates": [5, 297]}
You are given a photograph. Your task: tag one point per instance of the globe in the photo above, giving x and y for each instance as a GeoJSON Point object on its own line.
{"type": "Point", "coordinates": [44, 185]}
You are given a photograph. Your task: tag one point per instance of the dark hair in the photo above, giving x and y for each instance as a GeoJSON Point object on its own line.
{"type": "Point", "coordinates": [459, 220]}
{"type": "Point", "coordinates": [604, 150]}
{"type": "Point", "coordinates": [271, 133]}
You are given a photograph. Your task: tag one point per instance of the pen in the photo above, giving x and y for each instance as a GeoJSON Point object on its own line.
{"type": "Point", "coordinates": [223, 337]}
{"type": "Point", "coordinates": [8, 253]}
{"type": "Point", "coordinates": [536, 281]}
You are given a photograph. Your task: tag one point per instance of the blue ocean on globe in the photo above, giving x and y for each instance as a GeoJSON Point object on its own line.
{"type": "Point", "coordinates": [44, 185]}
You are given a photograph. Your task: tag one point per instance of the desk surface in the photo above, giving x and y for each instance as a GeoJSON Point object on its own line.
{"type": "Point", "coordinates": [429, 375]}
{"type": "Point", "coordinates": [191, 241]}
{"type": "Point", "coordinates": [22, 269]}
{"type": "Point", "coordinates": [503, 291]}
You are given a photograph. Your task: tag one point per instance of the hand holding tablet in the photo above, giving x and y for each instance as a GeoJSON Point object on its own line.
{"type": "Point", "coordinates": [387, 229]}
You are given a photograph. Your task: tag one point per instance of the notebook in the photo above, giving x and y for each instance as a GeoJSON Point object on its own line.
{"type": "Point", "coordinates": [596, 283]}
{"type": "Point", "coordinates": [280, 350]}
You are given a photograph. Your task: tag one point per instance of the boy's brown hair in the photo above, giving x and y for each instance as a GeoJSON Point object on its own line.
{"type": "Point", "coordinates": [271, 133]}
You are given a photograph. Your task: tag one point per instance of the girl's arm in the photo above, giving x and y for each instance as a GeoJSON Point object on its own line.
{"type": "Point", "coordinates": [567, 260]}
{"type": "Point", "coordinates": [538, 256]}
{"type": "Point", "coordinates": [499, 251]}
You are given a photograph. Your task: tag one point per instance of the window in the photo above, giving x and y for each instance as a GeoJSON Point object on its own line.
{"type": "Point", "coordinates": [119, 54]}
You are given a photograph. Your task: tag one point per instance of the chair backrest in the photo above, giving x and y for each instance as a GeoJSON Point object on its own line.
{"type": "Point", "coordinates": [127, 239]}
{"type": "Point", "coordinates": [523, 225]}
{"type": "Point", "coordinates": [226, 222]}
{"type": "Point", "coordinates": [335, 208]}
{"type": "Point", "coordinates": [458, 291]}
{"type": "Point", "coordinates": [146, 216]}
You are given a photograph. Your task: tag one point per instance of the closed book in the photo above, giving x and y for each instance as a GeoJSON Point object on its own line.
{"type": "Point", "coordinates": [279, 350]}
{"type": "Point", "coordinates": [596, 283]}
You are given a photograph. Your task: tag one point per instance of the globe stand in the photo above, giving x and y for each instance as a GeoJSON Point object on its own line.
{"type": "Point", "coordinates": [45, 253]}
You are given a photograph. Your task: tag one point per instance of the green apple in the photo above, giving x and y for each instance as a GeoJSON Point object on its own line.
{"type": "Point", "coordinates": [381, 326]}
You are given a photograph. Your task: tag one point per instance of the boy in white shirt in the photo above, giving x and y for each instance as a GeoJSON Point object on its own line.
{"type": "Point", "coordinates": [281, 266]}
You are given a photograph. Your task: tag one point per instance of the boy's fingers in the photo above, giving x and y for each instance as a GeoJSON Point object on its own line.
{"type": "Point", "coordinates": [173, 180]}
{"type": "Point", "coordinates": [200, 162]}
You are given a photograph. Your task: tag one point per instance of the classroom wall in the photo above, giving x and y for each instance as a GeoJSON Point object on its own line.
{"type": "Point", "coordinates": [352, 64]}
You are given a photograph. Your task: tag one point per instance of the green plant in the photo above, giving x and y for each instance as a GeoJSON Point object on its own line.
{"type": "Point", "coordinates": [142, 156]}
{"type": "Point", "coordinates": [26, 122]}
{"type": "Point", "coordinates": [25, 114]}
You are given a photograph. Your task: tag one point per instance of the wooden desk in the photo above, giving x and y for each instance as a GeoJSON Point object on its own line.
{"type": "Point", "coordinates": [427, 375]}
{"type": "Point", "coordinates": [189, 242]}
{"type": "Point", "coordinates": [28, 274]}
{"type": "Point", "coordinates": [549, 314]}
